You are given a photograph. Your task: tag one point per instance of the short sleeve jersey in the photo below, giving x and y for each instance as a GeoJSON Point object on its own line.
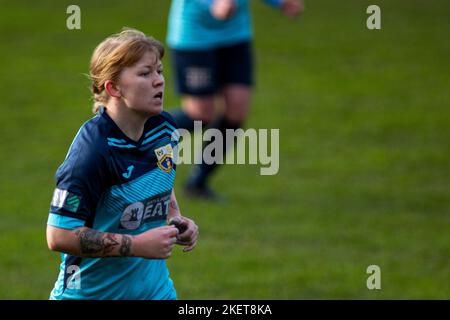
{"type": "Point", "coordinates": [110, 183]}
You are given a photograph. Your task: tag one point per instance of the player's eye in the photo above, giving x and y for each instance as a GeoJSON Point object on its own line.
{"type": "Point", "coordinates": [144, 74]}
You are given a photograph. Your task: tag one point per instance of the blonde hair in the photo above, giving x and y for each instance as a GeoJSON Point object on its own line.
{"type": "Point", "coordinates": [116, 52]}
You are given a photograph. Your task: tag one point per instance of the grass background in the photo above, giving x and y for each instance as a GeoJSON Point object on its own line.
{"type": "Point", "coordinates": [364, 151]}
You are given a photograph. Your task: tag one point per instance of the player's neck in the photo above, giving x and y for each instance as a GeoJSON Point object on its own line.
{"type": "Point", "coordinates": [129, 121]}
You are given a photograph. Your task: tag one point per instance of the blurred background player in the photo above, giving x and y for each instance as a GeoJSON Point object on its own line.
{"type": "Point", "coordinates": [211, 47]}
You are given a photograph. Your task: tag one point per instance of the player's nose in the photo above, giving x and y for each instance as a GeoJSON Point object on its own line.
{"type": "Point", "coordinates": [159, 81]}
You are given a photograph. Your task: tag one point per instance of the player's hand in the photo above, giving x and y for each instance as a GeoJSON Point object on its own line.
{"type": "Point", "coordinates": [223, 9]}
{"type": "Point", "coordinates": [155, 243]}
{"type": "Point", "coordinates": [188, 237]}
{"type": "Point", "coordinates": [292, 8]}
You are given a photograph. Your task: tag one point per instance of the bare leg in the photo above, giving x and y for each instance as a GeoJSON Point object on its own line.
{"type": "Point", "coordinates": [199, 108]}
{"type": "Point", "coordinates": [237, 102]}
{"type": "Point", "coordinates": [237, 106]}
{"type": "Point", "coordinates": [194, 108]}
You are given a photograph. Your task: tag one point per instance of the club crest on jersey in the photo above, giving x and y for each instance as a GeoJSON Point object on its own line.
{"type": "Point", "coordinates": [164, 155]}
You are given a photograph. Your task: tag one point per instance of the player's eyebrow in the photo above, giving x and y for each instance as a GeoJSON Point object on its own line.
{"type": "Point", "coordinates": [159, 65]}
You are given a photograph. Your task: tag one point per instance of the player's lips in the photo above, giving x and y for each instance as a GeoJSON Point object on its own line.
{"type": "Point", "coordinates": [159, 95]}
{"type": "Point", "coordinates": [158, 99]}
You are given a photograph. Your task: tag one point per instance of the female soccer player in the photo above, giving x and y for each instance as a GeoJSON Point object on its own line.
{"type": "Point", "coordinates": [212, 56]}
{"type": "Point", "coordinates": [114, 190]}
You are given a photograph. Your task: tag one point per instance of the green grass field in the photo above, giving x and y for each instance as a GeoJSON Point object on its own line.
{"type": "Point", "coordinates": [364, 119]}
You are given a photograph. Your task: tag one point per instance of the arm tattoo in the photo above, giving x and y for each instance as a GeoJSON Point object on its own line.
{"type": "Point", "coordinates": [125, 248]}
{"type": "Point", "coordinates": [96, 243]}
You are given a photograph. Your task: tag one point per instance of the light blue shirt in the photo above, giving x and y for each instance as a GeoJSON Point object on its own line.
{"type": "Point", "coordinates": [192, 27]}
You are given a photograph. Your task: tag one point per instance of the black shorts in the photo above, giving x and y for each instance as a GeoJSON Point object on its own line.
{"type": "Point", "coordinates": [207, 71]}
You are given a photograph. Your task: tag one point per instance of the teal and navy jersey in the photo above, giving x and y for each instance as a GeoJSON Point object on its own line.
{"type": "Point", "coordinates": [192, 26]}
{"type": "Point", "coordinates": [110, 183]}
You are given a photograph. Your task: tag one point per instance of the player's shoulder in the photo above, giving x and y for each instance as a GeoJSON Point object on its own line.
{"type": "Point", "coordinates": [91, 137]}
{"type": "Point", "coordinates": [165, 116]}
{"type": "Point", "coordinates": [161, 122]}
{"type": "Point", "coordinates": [159, 126]}
{"type": "Point", "coordinates": [88, 149]}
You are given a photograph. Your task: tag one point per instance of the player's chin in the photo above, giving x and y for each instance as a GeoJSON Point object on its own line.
{"type": "Point", "coordinates": [155, 107]}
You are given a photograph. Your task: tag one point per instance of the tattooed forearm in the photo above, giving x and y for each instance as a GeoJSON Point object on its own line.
{"type": "Point", "coordinates": [96, 243]}
{"type": "Point", "coordinates": [99, 244]}
{"type": "Point", "coordinates": [125, 248]}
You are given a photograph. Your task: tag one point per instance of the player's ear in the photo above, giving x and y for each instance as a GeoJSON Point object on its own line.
{"type": "Point", "coordinates": [112, 89]}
